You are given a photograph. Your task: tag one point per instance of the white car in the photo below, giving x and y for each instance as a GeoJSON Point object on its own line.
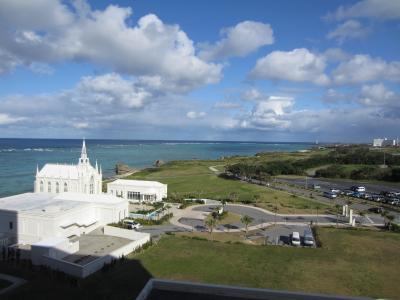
{"type": "Point", "coordinates": [132, 224]}
{"type": "Point", "coordinates": [308, 238]}
{"type": "Point", "coordinates": [360, 189]}
{"type": "Point", "coordinates": [296, 239]}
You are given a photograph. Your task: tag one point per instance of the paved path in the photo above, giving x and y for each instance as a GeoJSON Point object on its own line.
{"type": "Point", "coordinates": [262, 218]}
{"type": "Point", "coordinates": [16, 282]}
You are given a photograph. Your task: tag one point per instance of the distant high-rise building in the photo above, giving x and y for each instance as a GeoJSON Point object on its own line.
{"type": "Point", "coordinates": [384, 142]}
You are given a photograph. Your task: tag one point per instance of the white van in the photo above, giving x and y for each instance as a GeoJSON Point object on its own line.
{"type": "Point", "coordinates": [296, 238]}
{"type": "Point", "coordinates": [132, 224]}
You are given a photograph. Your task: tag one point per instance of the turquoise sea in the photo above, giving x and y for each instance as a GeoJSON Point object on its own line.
{"type": "Point", "coordinates": [19, 157]}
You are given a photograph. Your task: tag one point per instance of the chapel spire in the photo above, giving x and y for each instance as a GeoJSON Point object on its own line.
{"type": "Point", "coordinates": [84, 158]}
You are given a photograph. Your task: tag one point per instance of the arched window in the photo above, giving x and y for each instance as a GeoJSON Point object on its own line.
{"type": "Point", "coordinates": [49, 187]}
{"type": "Point", "coordinates": [65, 187]}
{"type": "Point", "coordinates": [41, 186]}
{"type": "Point", "coordinates": [57, 187]}
{"type": "Point", "coordinates": [91, 186]}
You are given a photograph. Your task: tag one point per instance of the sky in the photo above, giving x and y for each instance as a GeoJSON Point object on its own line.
{"type": "Point", "coordinates": [200, 70]}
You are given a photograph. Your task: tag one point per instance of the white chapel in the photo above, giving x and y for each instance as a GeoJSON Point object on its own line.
{"type": "Point", "coordinates": [79, 178]}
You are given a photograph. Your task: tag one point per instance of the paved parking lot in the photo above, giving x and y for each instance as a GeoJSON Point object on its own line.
{"type": "Point", "coordinates": [280, 234]}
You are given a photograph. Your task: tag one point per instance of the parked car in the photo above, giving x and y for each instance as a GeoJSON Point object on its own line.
{"type": "Point", "coordinates": [393, 201]}
{"type": "Point", "coordinates": [358, 195]}
{"type": "Point", "coordinates": [377, 198]}
{"type": "Point", "coordinates": [335, 190]}
{"type": "Point", "coordinates": [358, 188]}
{"type": "Point", "coordinates": [330, 195]}
{"type": "Point", "coordinates": [377, 210]}
{"type": "Point", "coordinates": [316, 186]}
{"type": "Point", "coordinates": [132, 224]}
{"type": "Point", "coordinates": [348, 192]}
{"type": "Point", "coordinates": [308, 238]}
{"type": "Point", "coordinates": [296, 239]}
{"type": "Point", "coordinates": [365, 196]}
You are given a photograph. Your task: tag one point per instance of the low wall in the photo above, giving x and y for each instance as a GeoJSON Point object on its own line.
{"type": "Point", "coordinates": [126, 233]}
{"type": "Point", "coordinates": [137, 240]}
{"type": "Point", "coordinates": [63, 266]}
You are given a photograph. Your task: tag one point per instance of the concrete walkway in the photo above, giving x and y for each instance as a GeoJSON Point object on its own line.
{"type": "Point", "coordinates": [193, 216]}
{"type": "Point", "coordinates": [16, 282]}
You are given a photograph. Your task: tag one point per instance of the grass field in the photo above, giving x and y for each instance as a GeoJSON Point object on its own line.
{"type": "Point", "coordinates": [195, 179]}
{"type": "Point", "coordinates": [351, 262]}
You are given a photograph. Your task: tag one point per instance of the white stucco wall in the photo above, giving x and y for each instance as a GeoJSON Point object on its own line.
{"type": "Point", "coordinates": [121, 190]}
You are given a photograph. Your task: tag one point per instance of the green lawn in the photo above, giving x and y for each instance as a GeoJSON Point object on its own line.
{"type": "Point", "coordinates": [351, 262]}
{"type": "Point", "coordinates": [194, 179]}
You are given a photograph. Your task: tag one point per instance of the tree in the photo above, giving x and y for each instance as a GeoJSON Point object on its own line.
{"type": "Point", "coordinates": [337, 208]}
{"type": "Point", "coordinates": [246, 220]}
{"type": "Point", "coordinates": [211, 223]}
{"type": "Point", "coordinates": [390, 220]}
{"type": "Point", "coordinates": [233, 197]}
{"type": "Point", "coordinates": [362, 214]}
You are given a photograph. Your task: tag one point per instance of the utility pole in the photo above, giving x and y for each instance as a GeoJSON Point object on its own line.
{"type": "Point", "coordinates": [384, 158]}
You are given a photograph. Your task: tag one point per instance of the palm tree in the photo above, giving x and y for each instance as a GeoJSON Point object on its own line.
{"type": "Point", "coordinates": [210, 223]}
{"type": "Point", "coordinates": [362, 214]}
{"type": "Point", "coordinates": [337, 208]}
{"type": "Point", "coordinates": [223, 202]}
{"type": "Point", "coordinates": [390, 220]}
{"type": "Point", "coordinates": [246, 220]}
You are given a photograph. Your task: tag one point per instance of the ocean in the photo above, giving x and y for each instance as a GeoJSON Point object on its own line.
{"type": "Point", "coordinates": [19, 157]}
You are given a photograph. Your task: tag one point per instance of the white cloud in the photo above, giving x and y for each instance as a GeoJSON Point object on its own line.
{"type": "Point", "coordinates": [335, 55]}
{"type": "Point", "coordinates": [378, 95]}
{"type": "Point", "coordinates": [363, 68]}
{"type": "Point", "coordinates": [81, 125]}
{"type": "Point", "coordinates": [226, 105]}
{"type": "Point", "coordinates": [6, 119]}
{"type": "Point", "coordinates": [195, 115]}
{"type": "Point", "coordinates": [374, 9]}
{"type": "Point", "coordinates": [350, 29]}
{"type": "Point", "coordinates": [298, 65]}
{"type": "Point", "coordinates": [113, 89]}
{"type": "Point", "coordinates": [240, 40]}
{"type": "Point", "coordinates": [103, 37]}
{"type": "Point", "coordinates": [252, 94]}
{"type": "Point", "coordinates": [269, 114]}
{"type": "Point", "coordinates": [335, 96]}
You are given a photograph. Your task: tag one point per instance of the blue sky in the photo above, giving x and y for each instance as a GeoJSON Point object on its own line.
{"type": "Point", "coordinates": [200, 70]}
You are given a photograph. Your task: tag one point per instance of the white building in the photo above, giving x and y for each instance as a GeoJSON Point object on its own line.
{"type": "Point", "coordinates": [384, 142]}
{"type": "Point", "coordinates": [63, 224]}
{"type": "Point", "coordinates": [31, 217]}
{"type": "Point", "coordinates": [80, 178]}
{"type": "Point", "coordinates": [138, 190]}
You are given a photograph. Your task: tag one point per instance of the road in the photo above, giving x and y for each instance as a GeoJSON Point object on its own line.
{"type": "Point", "coordinates": [327, 184]}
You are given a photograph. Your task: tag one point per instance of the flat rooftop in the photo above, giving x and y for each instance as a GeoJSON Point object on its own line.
{"type": "Point", "coordinates": [39, 204]}
{"type": "Point", "coordinates": [50, 205]}
{"type": "Point", "coordinates": [142, 183]}
{"type": "Point", "coordinates": [95, 245]}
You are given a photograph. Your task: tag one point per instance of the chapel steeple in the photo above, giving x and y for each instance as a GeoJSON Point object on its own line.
{"type": "Point", "coordinates": [84, 160]}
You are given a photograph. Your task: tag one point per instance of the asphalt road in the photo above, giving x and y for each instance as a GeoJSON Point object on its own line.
{"type": "Point", "coordinates": [327, 184]}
